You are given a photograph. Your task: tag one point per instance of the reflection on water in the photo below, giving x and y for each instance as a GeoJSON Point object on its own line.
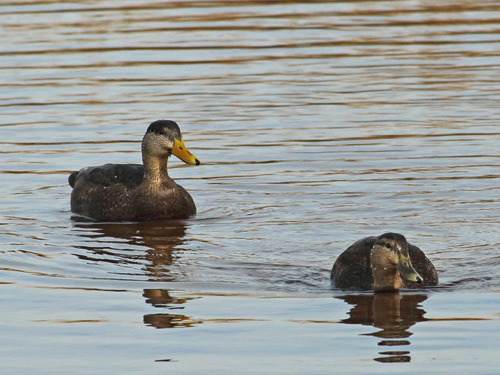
{"type": "Point", "coordinates": [168, 321]}
{"type": "Point", "coordinates": [152, 244]}
{"type": "Point", "coordinates": [161, 298]}
{"type": "Point", "coordinates": [394, 314]}
{"type": "Point", "coordinates": [157, 241]}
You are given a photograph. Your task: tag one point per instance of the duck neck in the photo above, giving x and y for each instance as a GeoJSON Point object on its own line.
{"type": "Point", "coordinates": [385, 275]}
{"type": "Point", "coordinates": [155, 169]}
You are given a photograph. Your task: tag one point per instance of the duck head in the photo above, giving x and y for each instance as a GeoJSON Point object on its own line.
{"type": "Point", "coordinates": [163, 137]}
{"type": "Point", "coordinates": [390, 260]}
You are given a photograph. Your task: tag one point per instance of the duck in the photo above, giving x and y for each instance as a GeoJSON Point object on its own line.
{"type": "Point", "coordinates": [136, 192]}
{"type": "Point", "coordinates": [384, 263]}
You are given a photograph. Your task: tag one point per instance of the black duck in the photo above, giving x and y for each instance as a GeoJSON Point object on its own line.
{"type": "Point", "coordinates": [384, 263]}
{"type": "Point", "coordinates": [135, 192]}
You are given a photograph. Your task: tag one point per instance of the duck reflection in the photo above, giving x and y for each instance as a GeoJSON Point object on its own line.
{"type": "Point", "coordinates": [124, 243]}
{"type": "Point", "coordinates": [161, 298]}
{"type": "Point", "coordinates": [393, 313]}
{"type": "Point", "coordinates": [152, 244]}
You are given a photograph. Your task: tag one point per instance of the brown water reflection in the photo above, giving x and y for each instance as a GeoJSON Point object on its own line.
{"type": "Point", "coordinates": [394, 314]}
{"type": "Point", "coordinates": [155, 241]}
{"type": "Point", "coordinates": [161, 298]}
{"type": "Point", "coordinates": [161, 238]}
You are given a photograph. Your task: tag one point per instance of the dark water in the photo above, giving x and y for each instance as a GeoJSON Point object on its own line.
{"type": "Point", "coordinates": [318, 123]}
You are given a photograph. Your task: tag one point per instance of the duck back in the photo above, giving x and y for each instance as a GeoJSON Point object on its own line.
{"type": "Point", "coordinates": [115, 192]}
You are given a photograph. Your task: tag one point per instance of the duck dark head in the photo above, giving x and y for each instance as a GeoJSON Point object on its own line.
{"type": "Point", "coordinates": [162, 138]}
{"type": "Point", "coordinates": [393, 241]}
{"type": "Point", "coordinates": [165, 127]}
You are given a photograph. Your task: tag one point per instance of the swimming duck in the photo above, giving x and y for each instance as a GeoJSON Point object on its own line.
{"type": "Point", "coordinates": [135, 192]}
{"type": "Point", "coordinates": [384, 263]}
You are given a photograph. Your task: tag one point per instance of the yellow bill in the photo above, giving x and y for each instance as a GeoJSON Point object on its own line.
{"type": "Point", "coordinates": [406, 269]}
{"type": "Point", "coordinates": [183, 153]}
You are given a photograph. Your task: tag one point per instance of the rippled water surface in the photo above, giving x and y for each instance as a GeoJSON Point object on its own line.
{"type": "Point", "coordinates": [318, 123]}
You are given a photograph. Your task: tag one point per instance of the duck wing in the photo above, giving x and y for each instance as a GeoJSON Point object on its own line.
{"type": "Point", "coordinates": [352, 267]}
{"type": "Point", "coordinates": [129, 175]}
{"type": "Point", "coordinates": [423, 266]}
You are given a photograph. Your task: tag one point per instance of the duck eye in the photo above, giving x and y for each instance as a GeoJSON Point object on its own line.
{"type": "Point", "coordinates": [388, 245]}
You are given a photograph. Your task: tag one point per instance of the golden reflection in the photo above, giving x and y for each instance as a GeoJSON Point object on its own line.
{"type": "Point", "coordinates": [118, 242]}
{"type": "Point", "coordinates": [161, 298]}
{"type": "Point", "coordinates": [161, 239]}
{"type": "Point", "coordinates": [393, 314]}
{"type": "Point", "coordinates": [168, 321]}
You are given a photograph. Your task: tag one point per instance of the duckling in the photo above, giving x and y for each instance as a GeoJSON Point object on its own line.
{"type": "Point", "coordinates": [384, 263]}
{"type": "Point", "coordinates": [135, 192]}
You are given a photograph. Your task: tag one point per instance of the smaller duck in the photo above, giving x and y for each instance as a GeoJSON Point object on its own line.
{"type": "Point", "coordinates": [384, 263]}
{"type": "Point", "coordinates": [135, 192]}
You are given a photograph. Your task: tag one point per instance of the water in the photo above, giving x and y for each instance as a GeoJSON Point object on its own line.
{"type": "Point", "coordinates": [318, 123]}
